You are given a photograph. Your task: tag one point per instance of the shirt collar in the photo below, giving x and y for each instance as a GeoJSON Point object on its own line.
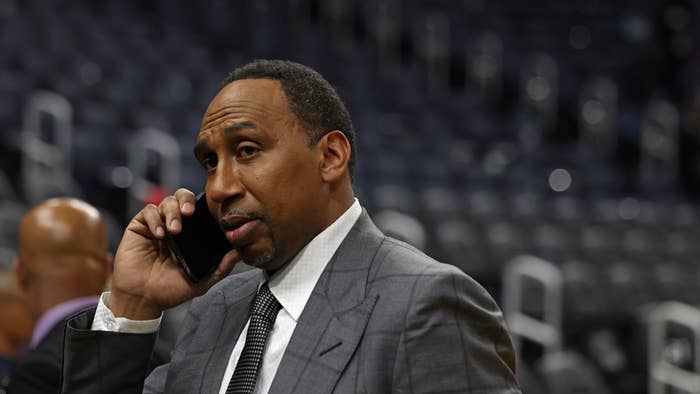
{"type": "Point", "coordinates": [57, 313]}
{"type": "Point", "coordinates": [292, 286]}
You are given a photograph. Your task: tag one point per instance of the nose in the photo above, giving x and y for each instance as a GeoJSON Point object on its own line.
{"type": "Point", "coordinates": [224, 185]}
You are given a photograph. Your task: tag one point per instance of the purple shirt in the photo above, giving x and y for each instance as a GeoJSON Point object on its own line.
{"type": "Point", "coordinates": [58, 313]}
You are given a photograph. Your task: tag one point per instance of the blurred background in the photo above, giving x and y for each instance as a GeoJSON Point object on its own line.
{"type": "Point", "coordinates": [547, 148]}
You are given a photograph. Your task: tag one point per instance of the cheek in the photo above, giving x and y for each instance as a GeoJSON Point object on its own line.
{"type": "Point", "coordinates": [285, 184]}
{"type": "Point", "coordinates": [282, 181]}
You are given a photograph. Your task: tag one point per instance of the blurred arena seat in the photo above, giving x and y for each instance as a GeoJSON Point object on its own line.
{"type": "Point", "coordinates": [569, 372]}
{"type": "Point", "coordinates": [673, 362]}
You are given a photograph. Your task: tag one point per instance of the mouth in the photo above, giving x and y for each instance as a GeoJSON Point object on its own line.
{"type": "Point", "coordinates": [238, 229]}
{"type": "Point", "coordinates": [233, 222]}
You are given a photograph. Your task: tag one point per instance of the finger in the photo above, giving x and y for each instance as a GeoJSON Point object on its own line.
{"type": "Point", "coordinates": [170, 209]}
{"type": "Point", "coordinates": [153, 220]}
{"type": "Point", "coordinates": [187, 200]}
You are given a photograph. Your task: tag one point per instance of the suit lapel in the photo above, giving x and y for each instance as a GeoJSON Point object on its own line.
{"type": "Point", "coordinates": [334, 319]}
{"type": "Point", "coordinates": [232, 306]}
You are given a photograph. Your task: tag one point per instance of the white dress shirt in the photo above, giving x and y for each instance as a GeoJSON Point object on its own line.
{"type": "Point", "coordinates": [292, 286]}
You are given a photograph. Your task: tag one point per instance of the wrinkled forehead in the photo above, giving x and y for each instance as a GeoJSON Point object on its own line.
{"type": "Point", "coordinates": [257, 102]}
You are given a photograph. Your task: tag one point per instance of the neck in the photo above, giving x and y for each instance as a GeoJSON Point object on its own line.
{"type": "Point", "coordinates": [338, 204]}
{"type": "Point", "coordinates": [340, 200]}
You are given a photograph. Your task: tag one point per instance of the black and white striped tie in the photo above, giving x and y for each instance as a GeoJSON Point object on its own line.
{"type": "Point", "coordinates": [262, 318]}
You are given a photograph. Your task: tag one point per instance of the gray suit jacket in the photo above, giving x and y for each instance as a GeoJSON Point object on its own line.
{"type": "Point", "coordinates": [383, 318]}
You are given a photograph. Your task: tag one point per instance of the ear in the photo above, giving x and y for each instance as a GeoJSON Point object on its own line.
{"type": "Point", "coordinates": [21, 273]}
{"type": "Point", "coordinates": [336, 156]}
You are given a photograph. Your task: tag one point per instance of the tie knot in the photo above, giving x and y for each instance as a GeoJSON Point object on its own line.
{"type": "Point", "coordinates": [265, 304]}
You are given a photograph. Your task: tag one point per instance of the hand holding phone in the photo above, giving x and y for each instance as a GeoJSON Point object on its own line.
{"type": "Point", "coordinates": [148, 278]}
{"type": "Point", "coordinates": [201, 244]}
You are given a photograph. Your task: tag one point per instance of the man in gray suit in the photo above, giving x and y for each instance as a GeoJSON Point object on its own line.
{"type": "Point", "coordinates": [355, 311]}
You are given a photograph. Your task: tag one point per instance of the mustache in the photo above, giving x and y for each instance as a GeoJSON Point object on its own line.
{"type": "Point", "coordinates": [235, 218]}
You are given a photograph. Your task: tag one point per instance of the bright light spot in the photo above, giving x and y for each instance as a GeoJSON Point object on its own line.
{"type": "Point", "coordinates": [122, 177]}
{"type": "Point", "coordinates": [559, 180]}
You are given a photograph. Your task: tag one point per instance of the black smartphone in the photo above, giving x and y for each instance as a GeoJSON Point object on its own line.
{"type": "Point", "coordinates": [201, 244]}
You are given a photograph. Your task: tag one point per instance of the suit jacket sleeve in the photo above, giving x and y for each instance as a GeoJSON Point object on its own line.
{"type": "Point", "coordinates": [104, 362]}
{"type": "Point", "coordinates": [40, 370]}
{"type": "Point", "coordinates": [454, 339]}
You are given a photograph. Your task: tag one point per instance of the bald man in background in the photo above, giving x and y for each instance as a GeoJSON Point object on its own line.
{"type": "Point", "coordinates": [15, 326]}
{"type": "Point", "coordinates": [63, 266]}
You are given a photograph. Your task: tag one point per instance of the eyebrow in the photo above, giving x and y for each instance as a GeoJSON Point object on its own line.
{"type": "Point", "coordinates": [203, 145]}
{"type": "Point", "coordinates": [238, 126]}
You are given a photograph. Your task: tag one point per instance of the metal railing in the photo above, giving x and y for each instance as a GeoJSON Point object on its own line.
{"type": "Point", "coordinates": [662, 373]}
{"type": "Point", "coordinates": [548, 331]}
{"type": "Point", "coordinates": [167, 149]}
{"type": "Point", "coordinates": [46, 163]}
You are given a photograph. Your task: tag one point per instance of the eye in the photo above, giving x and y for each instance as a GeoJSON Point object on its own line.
{"type": "Point", "coordinates": [246, 151]}
{"type": "Point", "coordinates": [209, 162]}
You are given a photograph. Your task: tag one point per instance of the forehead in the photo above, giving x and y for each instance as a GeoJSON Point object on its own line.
{"type": "Point", "coordinates": [256, 100]}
